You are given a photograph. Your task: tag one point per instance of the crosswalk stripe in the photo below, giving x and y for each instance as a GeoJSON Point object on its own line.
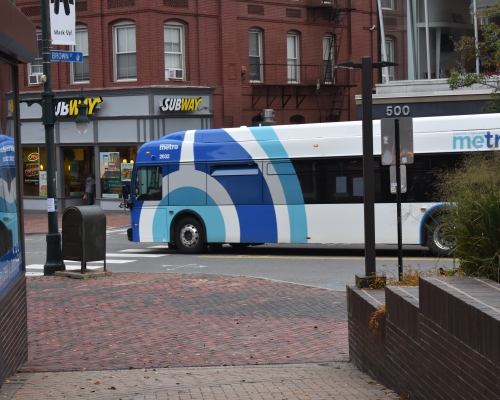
{"type": "Point", "coordinates": [68, 267]}
{"type": "Point", "coordinates": [134, 255]}
{"type": "Point", "coordinates": [101, 262]}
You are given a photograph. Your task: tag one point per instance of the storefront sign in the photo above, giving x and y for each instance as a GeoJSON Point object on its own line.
{"type": "Point", "coordinates": [64, 108]}
{"type": "Point", "coordinates": [180, 104]}
{"type": "Point", "coordinates": [32, 157]}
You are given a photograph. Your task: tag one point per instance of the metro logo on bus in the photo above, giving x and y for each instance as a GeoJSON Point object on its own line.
{"type": "Point", "coordinates": [475, 140]}
{"type": "Point", "coordinates": [180, 104]}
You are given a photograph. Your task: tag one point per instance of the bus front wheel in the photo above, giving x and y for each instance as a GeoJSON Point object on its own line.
{"type": "Point", "coordinates": [440, 244]}
{"type": "Point", "coordinates": [189, 236]}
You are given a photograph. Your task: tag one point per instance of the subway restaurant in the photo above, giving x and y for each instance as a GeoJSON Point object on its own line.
{"type": "Point", "coordinates": [121, 120]}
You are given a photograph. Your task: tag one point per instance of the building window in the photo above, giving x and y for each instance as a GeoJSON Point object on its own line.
{"type": "Point", "coordinates": [80, 70]}
{"type": "Point", "coordinates": [125, 52]}
{"type": "Point", "coordinates": [173, 35]}
{"type": "Point", "coordinates": [328, 58]}
{"type": "Point", "coordinates": [115, 169]}
{"type": "Point", "coordinates": [388, 4]}
{"type": "Point", "coordinates": [255, 55]}
{"type": "Point", "coordinates": [388, 72]}
{"type": "Point", "coordinates": [292, 55]}
{"type": "Point", "coordinates": [35, 69]}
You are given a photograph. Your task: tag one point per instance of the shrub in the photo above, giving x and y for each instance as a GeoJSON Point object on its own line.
{"type": "Point", "coordinates": [472, 219]}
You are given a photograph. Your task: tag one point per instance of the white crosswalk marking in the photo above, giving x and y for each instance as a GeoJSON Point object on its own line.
{"type": "Point", "coordinates": [134, 255]}
{"type": "Point", "coordinates": [125, 256]}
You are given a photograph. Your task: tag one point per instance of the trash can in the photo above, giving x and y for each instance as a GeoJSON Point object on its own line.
{"type": "Point", "coordinates": [84, 235]}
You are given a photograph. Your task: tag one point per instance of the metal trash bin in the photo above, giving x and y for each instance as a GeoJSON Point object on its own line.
{"type": "Point", "coordinates": [84, 235]}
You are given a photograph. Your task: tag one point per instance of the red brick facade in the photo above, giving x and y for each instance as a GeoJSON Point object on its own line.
{"type": "Point", "coordinates": [217, 51]}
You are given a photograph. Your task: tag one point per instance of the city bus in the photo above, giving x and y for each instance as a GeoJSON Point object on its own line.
{"type": "Point", "coordinates": [293, 184]}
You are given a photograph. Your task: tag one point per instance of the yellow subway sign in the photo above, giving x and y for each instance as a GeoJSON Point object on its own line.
{"type": "Point", "coordinates": [180, 104]}
{"type": "Point", "coordinates": [64, 108]}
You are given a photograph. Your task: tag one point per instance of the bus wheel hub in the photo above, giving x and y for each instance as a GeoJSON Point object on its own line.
{"type": "Point", "coordinates": [189, 235]}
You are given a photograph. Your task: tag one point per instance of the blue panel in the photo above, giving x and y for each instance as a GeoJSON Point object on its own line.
{"type": "Point", "coordinates": [235, 171]}
{"type": "Point", "coordinates": [187, 196]}
{"type": "Point", "coordinates": [135, 215]}
{"type": "Point", "coordinates": [161, 232]}
{"type": "Point", "coordinates": [242, 189]}
{"type": "Point", "coordinates": [225, 148]}
{"type": "Point", "coordinates": [271, 144]}
{"type": "Point", "coordinates": [11, 266]}
{"type": "Point", "coordinates": [257, 224]}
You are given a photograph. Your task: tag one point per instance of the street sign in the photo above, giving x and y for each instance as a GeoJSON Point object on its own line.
{"type": "Point", "coordinates": [394, 183]}
{"type": "Point", "coordinates": [66, 56]}
{"type": "Point", "coordinates": [388, 140]}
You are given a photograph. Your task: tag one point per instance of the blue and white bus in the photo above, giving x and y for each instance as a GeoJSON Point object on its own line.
{"type": "Point", "coordinates": [10, 243]}
{"type": "Point", "coordinates": [292, 184]}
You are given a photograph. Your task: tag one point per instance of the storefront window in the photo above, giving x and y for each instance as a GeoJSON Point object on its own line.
{"type": "Point", "coordinates": [78, 165]}
{"type": "Point", "coordinates": [34, 171]}
{"type": "Point", "coordinates": [115, 169]}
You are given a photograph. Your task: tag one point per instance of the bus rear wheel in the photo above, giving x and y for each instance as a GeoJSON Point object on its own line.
{"type": "Point", "coordinates": [440, 244]}
{"type": "Point", "coordinates": [189, 236]}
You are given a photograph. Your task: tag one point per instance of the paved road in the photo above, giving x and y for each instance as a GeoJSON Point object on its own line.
{"type": "Point", "coordinates": [325, 266]}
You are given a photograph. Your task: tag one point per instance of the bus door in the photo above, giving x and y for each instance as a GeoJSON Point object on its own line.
{"type": "Point", "coordinates": [149, 213]}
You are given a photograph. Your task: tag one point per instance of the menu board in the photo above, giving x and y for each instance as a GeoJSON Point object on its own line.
{"type": "Point", "coordinates": [31, 171]}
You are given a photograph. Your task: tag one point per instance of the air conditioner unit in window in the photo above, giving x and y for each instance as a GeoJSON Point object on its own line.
{"type": "Point", "coordinates": [35, 80]}
{"type": "Point", "coordinates": [171, 73]}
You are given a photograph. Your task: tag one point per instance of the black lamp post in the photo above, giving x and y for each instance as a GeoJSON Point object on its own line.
{"type": "Point", "coordinates": [54, 260]}
{"type": "Point", "coordinates": [366, 67]}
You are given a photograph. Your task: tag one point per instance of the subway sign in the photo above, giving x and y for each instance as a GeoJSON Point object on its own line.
{"type": "Point", "coordinates": [180, 104]}
{"type": "Point", "coordinates": [64, 108]}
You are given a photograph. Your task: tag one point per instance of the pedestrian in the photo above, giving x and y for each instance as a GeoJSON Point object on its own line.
{"type": "Point", "coordinates": [90, 189]}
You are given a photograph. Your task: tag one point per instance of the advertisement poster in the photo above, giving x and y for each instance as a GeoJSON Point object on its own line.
{"type": "Point", "coordinates": [127, 171]}
{"type": "Point", "coordinates": [62, 22]}
{"type": "Point", "coordinates": [110, 165]}
{"type": "Point", "coordinates": [43, 183]}
{"type": "Point", "coordinates": [31, 170]}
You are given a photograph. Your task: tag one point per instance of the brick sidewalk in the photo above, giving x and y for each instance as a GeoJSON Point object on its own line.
{"type": "Point", "coordinates": [145, 320]}
{"type": "Point", "coordinates": [145, 336]}
{"type": "Point", "coordinates": [37, 222]}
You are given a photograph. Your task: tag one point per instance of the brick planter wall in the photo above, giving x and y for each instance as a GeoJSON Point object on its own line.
{"type": "Point", "coordinates": [439, 341]}
{"type": "Point", "coordinates": [13, 329]}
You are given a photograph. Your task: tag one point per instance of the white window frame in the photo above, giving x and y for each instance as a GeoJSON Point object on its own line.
{"type": "Point", "coordinates": [385, 7]}
{"type": "Point", "coordinates": [257, 56]}
{"type": "Point", "coordinates": [328, 56]}
{"type": "Point", "coordinates": [175, 73]}
{"type": "Point", "coordinates": [38, 68]}
{"type": "Point", "coordinates": [132, 50]}
{"type": "Point", "coordinates": [293, 57]}
{"type": "Point", "coordinates": [84, 50]}
{"type": "Point", "coordinates": [388, 72]}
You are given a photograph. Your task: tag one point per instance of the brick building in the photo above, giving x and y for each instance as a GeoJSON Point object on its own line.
{"type": "Point", "coordinates": [155, 67]}
{"type": "Point", "coordinates": [145, 63]}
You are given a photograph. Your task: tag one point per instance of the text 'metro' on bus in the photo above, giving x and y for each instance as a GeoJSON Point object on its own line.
{"type": "Point", "coordinates": [292, 184]}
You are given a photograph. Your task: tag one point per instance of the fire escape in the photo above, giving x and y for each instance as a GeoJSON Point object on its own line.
{"type": "Point", "coordinates": [290, 81]}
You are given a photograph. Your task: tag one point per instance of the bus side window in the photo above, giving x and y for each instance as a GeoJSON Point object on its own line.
{"type": "Point", "coordinates": [148, 184]}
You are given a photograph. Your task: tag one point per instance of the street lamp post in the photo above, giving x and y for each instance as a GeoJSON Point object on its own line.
{"type": "Point", "coordinates": [54, 260]}
{"type": "Point", "coordinates": [366, 67]}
